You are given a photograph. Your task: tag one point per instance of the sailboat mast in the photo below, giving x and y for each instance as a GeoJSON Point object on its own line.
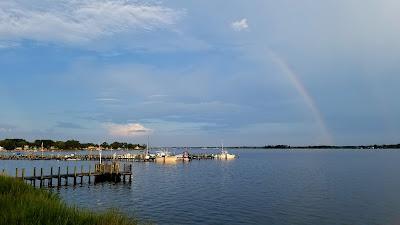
{"type": "Point", "coordinates": [147, 146]}
{"type": "Point", "coordinates": [100, 153]}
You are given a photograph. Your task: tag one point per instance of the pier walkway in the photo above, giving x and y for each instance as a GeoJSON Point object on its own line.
{"type": "Point", "coordinates": [102, 172]}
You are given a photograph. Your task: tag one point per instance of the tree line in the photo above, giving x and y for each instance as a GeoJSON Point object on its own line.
{"type": "Point", "coordinates": [387, 146]}
{"type": "Point", "coordinates": [11, 144]}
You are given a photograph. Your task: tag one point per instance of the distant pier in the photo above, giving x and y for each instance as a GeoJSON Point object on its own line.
{"type": "Point", "coordinates": [92, 157]}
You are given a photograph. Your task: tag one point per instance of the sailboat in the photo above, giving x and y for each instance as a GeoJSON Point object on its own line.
{"type": "Point", "coordinates": [224, 154]}
{"type": "Point", "coordinates": [146, 154]}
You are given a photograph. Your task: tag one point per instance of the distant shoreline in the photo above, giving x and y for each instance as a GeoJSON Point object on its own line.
{"type": "Point", "coordinates": [216, 147]}
{"type": "Point", "coordinates": [74, 145]}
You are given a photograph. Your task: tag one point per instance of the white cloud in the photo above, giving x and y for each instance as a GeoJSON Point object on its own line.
{"type": "Point", "coordinates": [107, 99]}
{"type": "Point", "coordinates": [6, 128]}
{"type": "Point", "coordinates": [158, 96]}
{"type": "Point", "coordinates": [76, 22]}
{"type": "Point", "coordinates": [240, 25]}
{"type": "Point", "coordinates": [8, 44]}
{"type": "Point", "coordinates": [127, 130]}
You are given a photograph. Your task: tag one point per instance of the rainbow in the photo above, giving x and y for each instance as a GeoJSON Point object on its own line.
{"type": "Point", "coordinates": [297, 83]}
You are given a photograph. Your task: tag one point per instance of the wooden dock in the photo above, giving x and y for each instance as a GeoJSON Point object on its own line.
{"type": "Point", "coordinates": [102, 172]}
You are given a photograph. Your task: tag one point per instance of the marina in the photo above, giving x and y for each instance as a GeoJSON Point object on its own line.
{"type": "Point", "coordinates": [160, 156]}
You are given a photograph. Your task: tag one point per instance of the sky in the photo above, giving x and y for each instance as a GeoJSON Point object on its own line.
{"type": "Point", "coordinates": [196, 73]}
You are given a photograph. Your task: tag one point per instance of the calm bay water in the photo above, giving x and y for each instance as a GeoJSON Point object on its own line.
{"type": "Point", "coordinates": [261, 187]}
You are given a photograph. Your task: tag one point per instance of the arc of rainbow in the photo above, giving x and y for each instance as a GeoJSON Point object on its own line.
{"type": "Point", "coordinates": [301, 89]}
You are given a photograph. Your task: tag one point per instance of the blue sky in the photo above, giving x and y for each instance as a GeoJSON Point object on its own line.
{"type": "Point", "coordinates": [198, 72]}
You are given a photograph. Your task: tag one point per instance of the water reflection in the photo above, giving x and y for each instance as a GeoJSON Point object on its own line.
{"type": "Point", "coordinates": [261, 187]}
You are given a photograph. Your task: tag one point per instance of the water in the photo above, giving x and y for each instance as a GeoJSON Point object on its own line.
{"type": "Point", "coordinates": [261, 187]}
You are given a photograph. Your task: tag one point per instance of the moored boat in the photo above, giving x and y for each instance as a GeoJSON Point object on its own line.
{"type": "Point", "coordinates": [224, 154]}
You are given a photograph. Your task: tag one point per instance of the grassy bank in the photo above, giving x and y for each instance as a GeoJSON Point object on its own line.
{"type": "Point", "coordinates": [24, 205]}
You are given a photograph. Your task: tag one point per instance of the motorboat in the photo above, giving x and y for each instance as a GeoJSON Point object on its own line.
{"type": "Point", "coordinates": [165, 156]}
{"type": "Point", "coordinates": [224, 154]}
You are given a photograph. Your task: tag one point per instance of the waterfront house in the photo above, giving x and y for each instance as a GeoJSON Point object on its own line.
{"type": "Point", "coordinates": [91, 148]}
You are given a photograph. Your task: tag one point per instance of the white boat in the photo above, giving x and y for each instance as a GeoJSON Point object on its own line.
{"type": "Point", "coordinates": [184, 156]}
{"type": "Point", "coordinates": [73, 159]}
{"type": "Point", "coordinates": [71, 156]}
{"type": "Point", "coordinates": [165, 156]}
{"type": "Point", "coordinates": [225, 155]}
{"type": "Point", "coordinates": [125, 156]}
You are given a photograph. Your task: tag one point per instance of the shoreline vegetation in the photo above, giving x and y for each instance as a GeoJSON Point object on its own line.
{"type": "Point", "coordinates": [384, 146]}
{"type": "Point", "coordinates": [50, 145]}
{"type": "Point", "coordinates": [24, 205]}
{"type": "Point", "coordinates": [22, 144]}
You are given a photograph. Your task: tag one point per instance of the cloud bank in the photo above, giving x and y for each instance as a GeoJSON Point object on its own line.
{"type": "Point", "coordinates": [126, 130]}
{"type": "Point", "coordinates": [79, 22]}
{"type": "Point", "coordinates": [6, 127]}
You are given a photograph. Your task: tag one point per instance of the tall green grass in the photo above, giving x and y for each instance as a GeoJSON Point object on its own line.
{"type": "Point", "coordinates": [24, 205]}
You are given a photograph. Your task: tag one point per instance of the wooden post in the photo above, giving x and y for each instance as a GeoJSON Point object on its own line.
{"type": "Point", "coordinates": [123, 176]}
{"type": "Point", "coordinates": [59, 178]}
{"type": "Point", "coordinates": [89, 173]}
{"type": "Point", "coordinates": [81, 174]}
{"type": "Point", "coordinates": [23, 173]}
{"type": "Point", "coordinates": [41, 177]}
{"type": "Point", "coordinates": [34, 176]}
{"type": "Point", "coordinates": [16, 172]}
{"type": "Point", "coordinates": [51, 177]}
{"type": "Point", "coordinates": [3, 172]}
{"type": "Point", "coordinates": [130, 173]}
{"type": "Point", "coordinates": [74, 175]}
{"type": "Point", "coordinates": [66, 178]}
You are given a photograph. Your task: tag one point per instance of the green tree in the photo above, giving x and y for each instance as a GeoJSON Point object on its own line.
{"type": "Point", "coordinates": [11, 144]}
{"type": "Point", "coordinates": [46, 143]}
{"type": "Point", "coordinates": [59, 145]}
{"type": "Point", "coordinates": [116, 145]}
{"type": "Point", "coordinates": [105, 145]}
{"type": "Point", "coordinates": [72, 144]}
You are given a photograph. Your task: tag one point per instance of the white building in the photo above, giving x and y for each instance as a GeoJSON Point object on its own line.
{"type": "Point", "coordinates": [1, 148]}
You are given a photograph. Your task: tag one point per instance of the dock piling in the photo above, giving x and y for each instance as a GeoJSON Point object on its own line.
{"type": "Point", "coordinates": [123, 176]}
{"type": "Point", "coordinates": [41, 177]}
{"type": "Point", "coordinates": [66, 177]}
{"type": "Point", "coordinates": [34, 175]}
{"type": "Point", "coordinates": [89, 173]}
{"type": "Point", "coordinates": [81, 174]}
{"type": "Point", "coordinates": [59, 178]}
{"type": "Point", "coordinates": [74, 175]}
{"type": "Point", "coordinates": [130, 173]}
{"type": "Point", "coordinates": [51, 177]}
